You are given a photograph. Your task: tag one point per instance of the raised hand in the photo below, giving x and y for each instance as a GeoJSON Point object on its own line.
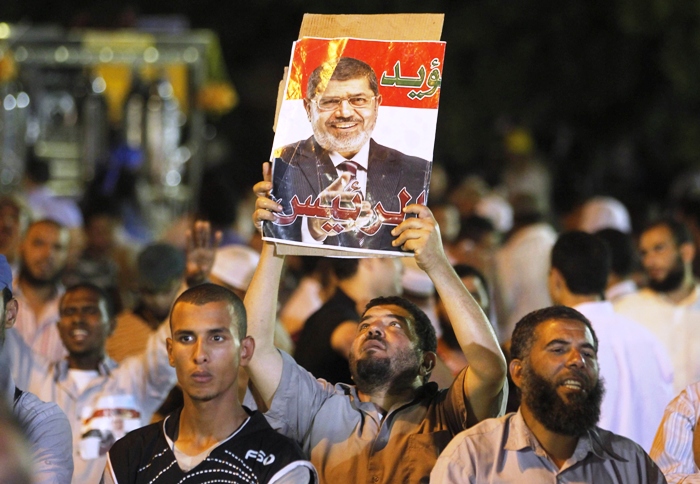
{"type": "Point", "coordinates": [421, 235]}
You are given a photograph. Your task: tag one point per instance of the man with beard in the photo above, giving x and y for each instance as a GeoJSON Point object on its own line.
{"type": "Point", "coordinates": [38, 288]}
{"type": "Point", "coordinates": [670, 306]}
{"type": "Point", "coordinates": [553, 436]}
{"type": "Point", "coordinates": [390, 426]}
{"type": "Point", "coordinates": [44, 425]}
{"type": "Point", "coordinates": [342, 102]}
{"type": "Point", "coordinates": [639, 383]}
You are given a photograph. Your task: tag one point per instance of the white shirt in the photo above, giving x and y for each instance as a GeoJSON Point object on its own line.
{"type": "Point", "coordinates": [620, 290]}
{"type": "Point", "coordinates": [677, 326]}
{"type": "Point", "coordinates": [362, 159]}
{"type": "Point", "coordinates": [673, 445]}
{"type": "Point", "coordinates": [637, 370]}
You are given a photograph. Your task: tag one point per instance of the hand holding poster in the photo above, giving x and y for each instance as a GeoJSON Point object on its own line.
{"type": "Point", "coordinates": [354, 141]}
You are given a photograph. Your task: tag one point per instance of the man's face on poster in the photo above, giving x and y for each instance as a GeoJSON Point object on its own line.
{"type": "Point", "coordinates": [344, 115]}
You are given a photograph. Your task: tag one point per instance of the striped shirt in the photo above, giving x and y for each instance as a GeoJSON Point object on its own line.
{"type": "Point", "coordinates": [673, 445]}
{"type": "Point", "coordinates": [39, 331]}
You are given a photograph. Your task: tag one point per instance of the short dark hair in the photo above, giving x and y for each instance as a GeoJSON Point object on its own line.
{"type": "Point", "coordinates": [475, 227]}
{"type": "Point", "coordinates": [524, 332]}
{"type": "Point", "coordinates": [424, 328]}
{"type": "Point", "coordinates": [344, 69]}
{"type": "Point", "coordinates": [202, 294]}
{"type": "Point", "coordinates": [680, 231]}
{"type": "Point", "coordinates": [344, 268]}
{"type": "Point", "coordinates": [101, 293]}
{"type": "Point", "coordinates": [6, 295]}
{"type": "Point", "coordinates": [583, 260]}
{"type": "Point", "coordinates": [623, 253]}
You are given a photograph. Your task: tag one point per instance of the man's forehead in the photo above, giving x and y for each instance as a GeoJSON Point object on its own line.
{"type": "Point", "coordinates": [384, 310]}
{"type": "Point", "coordinates": [82, 295]}
{"type": "Point", "coordinates": [562, 329]}
{"type": "Point", "coordinates": [207, 315]}
{"type": "Point", "coordinates": [658, 233]}
{"type": "Point", "coordinates": [46, 229]}
{"type": "Point", "coordinates": [355, 85]}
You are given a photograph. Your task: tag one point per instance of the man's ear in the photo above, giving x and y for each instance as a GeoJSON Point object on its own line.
{"type": "Point", "coordinates": [428, 364]}
{"type": "Point", "coordinates": [169, 346]}
{"type": "Point", "coordinates": [247, 349]}
{"type": "Point", "coordinates": [379, 100]}
{"type": "Point", "coordinates": [516, 372]}
{"type": "Point", "coordinates": [556, 284]}
{"type": "Point", "coordinates": [11, 309]}
{"type": "Point", "coordinates": [687, 251]}
{"type": "Point", "coordinates": [307, 107]}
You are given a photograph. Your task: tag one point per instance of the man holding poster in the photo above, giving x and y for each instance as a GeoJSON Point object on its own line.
{"type": "Point", "coordinates": [340, 187]}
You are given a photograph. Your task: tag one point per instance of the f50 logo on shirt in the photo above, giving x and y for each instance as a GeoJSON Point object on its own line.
{"type": "Point", "coordinates": [260, 456]}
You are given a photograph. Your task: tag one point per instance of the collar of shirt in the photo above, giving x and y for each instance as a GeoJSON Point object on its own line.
{"type": "Point", "coordinates": [361, 157]}
{"type": "Point", "coordinates": [104, 368]}
{"type": "Point", "coordinates": [628, 286]}
{"type": "Point", "coordinates": [521, 437]}
{"type": "Point", "coordinates": [428, 390]}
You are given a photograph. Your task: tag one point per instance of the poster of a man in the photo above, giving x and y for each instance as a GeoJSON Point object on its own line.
{"type": "Point", "coordinates": [342, 186]}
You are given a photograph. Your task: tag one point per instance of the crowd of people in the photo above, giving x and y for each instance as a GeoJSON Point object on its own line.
{"type": "Point", "coordinates": [507, 348]}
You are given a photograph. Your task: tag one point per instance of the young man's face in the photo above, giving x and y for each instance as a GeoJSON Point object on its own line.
{"type": "Point", "coordinates": [84, 324]}
{"type": "Point", "coordinates": [206, 350]}
{"type": "Point", "coordinates": [44, 252]}
{"type": "Point", "coordinates": [345, 128]}
{"type": "Point", "coordinates": [385, 348]}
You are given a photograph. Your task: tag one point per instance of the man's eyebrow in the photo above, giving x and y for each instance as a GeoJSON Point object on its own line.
{"type": "Point", "coordinates": [218, 330]}
{"type": "Point", "coordinates": [403, 319]}
{"type": "Point", "coordinates": [557, 342]}
{"type": "Point", "coordinates": [590, 345]}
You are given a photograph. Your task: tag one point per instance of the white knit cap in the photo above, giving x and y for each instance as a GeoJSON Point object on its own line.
{"type": "Point", "coordinates": [235, 265]}
{"type": "Point", "coordinates": [605, 213]}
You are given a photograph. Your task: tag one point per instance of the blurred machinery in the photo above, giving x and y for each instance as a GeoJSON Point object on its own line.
{"type": "Point", "coordinates": [95, 105]}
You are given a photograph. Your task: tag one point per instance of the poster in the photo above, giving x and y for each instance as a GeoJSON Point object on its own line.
{"type": "Point", "coordinates": [354, 142]}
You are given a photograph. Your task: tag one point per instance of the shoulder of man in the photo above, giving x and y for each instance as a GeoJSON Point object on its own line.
{"type": "Point", "coordinates": [618, 447]}
{"type": "Point", "coordinates": [294, 150]}
{"type": "Point", "coordinates": [135, 450]}
{"type": "Point", "coordinates": [384, 153]}
{"type": "Point", "coordinates": [263, 449]}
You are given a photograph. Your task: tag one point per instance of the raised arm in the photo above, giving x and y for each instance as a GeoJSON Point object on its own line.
{"type": "Point", "coordinates": [265, 368]}
{"type": "Point", "coordinates": [486, 374]}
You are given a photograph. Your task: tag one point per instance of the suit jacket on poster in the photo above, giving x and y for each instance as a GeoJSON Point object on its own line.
{"type": "Point", "coordinates": [305, 169]}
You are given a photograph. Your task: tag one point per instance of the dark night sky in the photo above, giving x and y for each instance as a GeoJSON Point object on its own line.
{"type": "Point", "coordinates": [601, 78]}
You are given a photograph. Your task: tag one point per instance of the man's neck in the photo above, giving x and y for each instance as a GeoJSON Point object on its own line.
{"type": "Point", "coordinates": [573, 300]}
{"type": "Point", "coordinates": [203, 424]}
{"type": "Point", "coordinates": [387, 398]}
{"type": "Point", "coordinates": [559, 447]}
{"type": "Point", "coordinates": [37, 295]}
{"type": "Point", "coordinates": [85, 362]}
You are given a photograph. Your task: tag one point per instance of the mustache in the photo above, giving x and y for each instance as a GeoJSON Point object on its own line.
{"type": "Point", "coordinates": [351, 119]}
